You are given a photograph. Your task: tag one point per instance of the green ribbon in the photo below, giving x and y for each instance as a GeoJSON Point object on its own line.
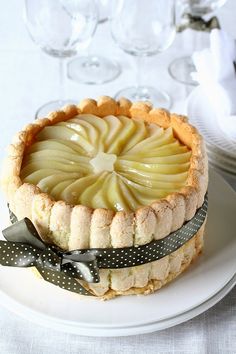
{"type": "Point", "coordinates": [24, 248]}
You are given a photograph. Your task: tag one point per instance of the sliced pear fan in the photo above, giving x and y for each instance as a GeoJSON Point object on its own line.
{"type": "Point", "coordinates": [92, 132]}
{"type": "Point", "coordinates": [71, 193]}
{"type": "Point", "coordinates": [170, 149]}
{"type": "Point", "coordinates": [151, 183]}
{"type": "Point", "coordinates": [180, 158]}
{"type": "Point", "coordinates": [65, 156]}
{"type": "Point", "coordinates": [114, 128]}
{"type": "Point", "coordinates": [57, 145]}
{"type": "Point", "coordinates": [101, 126]}
{"type": "Point", "coordinates": [114, 194]}
{"type": "Point", "coordinates": [100, 197]}
{"type": "Point", "coordinates": [65, 133]}
{"type": "Point", "coordinates": [37, 176]}
{"type": "Point", "coordinates": [133, 166]}
{"type": "Point", "coordinates": [76, 127]}
{"type": "Point", "coordinates": [57, 190]}
{"type": "Point", "coordinates": [120, 140]}
{"type": "Point", "coordinates": [139, 135]}
{"type": "Point", "coordinates": [87, 195]}
{"type": "Point", "coordinates": [47, 164]}
{"type": "Point", "coordinates": [150, 162]}
{"type": "Point", "coordinates": [158, 176]}
{"type": "Point", "coordinates": [128, 194]}
{"type": "Point", "coordinates": [159, 138]}
{"type": "Point", "coordinates": [48, 183]}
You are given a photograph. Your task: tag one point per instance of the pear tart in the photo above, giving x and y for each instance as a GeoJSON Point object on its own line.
{"type": "Point", "coordinates": [110, 174]}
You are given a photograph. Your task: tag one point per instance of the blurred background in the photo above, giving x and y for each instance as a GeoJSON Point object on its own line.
{"type": "Point", "coordinates": [29, 77]}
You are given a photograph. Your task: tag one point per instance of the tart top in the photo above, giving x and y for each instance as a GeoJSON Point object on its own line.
{"type": "Point", "coordinates": [113, 162]}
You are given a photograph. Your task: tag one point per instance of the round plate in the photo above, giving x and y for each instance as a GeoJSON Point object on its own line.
{"type": "Point", "coordinates": [202, 115]}
{"type": "Point", "coordinates": [199, 288]}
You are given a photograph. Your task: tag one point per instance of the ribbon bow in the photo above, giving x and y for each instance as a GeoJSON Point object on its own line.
{"type": "Point", "coordinates": [197, 23]}
{"type": "Point", "coordinates": [24, 248]}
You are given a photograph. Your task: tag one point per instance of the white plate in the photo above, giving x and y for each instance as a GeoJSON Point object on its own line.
{"type": "Point", "coordinates": [199, 288]}
{"type": "Point", "coordinates": [202, 115]}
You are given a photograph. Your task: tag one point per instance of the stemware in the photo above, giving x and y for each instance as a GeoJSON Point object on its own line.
{"type": "Point", "coordinates": [92, 68]}
{"type": "Point", "coordinates": [58, 28]}
{"type": "Point", "coordinates": [103, 10]}
{"type": "Point", "coordinates": [180, 69]}
{"type": "Point", "coordinates": [143, 28]}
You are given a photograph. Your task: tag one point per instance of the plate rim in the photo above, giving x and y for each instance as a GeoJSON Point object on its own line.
{"type": "Point", "coordinates": [67, 325]}
{"type": "Point", "coordinates": [193, 94]}
{"type": "Point", "coordinates": [121, 331]}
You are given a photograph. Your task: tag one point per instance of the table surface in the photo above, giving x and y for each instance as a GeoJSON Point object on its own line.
{"type": "Point", "coordinates": [28, 78]}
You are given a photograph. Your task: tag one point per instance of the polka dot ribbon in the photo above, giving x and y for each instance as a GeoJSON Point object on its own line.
{"type": "Point", "coordinates": [24, 248]}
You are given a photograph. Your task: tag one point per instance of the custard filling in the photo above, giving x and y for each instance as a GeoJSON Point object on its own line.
{"type": "Point", "coordinates": [115, 163]}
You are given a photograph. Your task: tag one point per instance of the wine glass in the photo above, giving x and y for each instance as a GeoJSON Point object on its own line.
{"type": "Point", "coordinates": [95, 69]}
{"type": "Point", "coordinates": [103, 10]}
{"type": "Point", "coordinates": [58, 27]}
{"type": "Point", "coordinates": [143, 28]}
{"type": "Point", "coordinates": [181, 68]}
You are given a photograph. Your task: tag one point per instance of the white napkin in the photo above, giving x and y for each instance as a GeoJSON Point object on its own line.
{"type": "Point", "coordinates": [215, 73]}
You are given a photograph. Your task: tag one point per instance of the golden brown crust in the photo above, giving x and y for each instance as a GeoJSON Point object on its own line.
{"type": "Point", "coordinates": [72, 227]}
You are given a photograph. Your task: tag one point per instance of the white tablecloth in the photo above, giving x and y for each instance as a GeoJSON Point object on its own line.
{"type": "Point", "coordinates": [28, 79]}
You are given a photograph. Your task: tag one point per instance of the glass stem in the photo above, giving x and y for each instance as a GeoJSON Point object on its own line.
{"type": "Point", "coordinates": [138, 72]}
{"type": "Point", "coordinates": [62, 78]}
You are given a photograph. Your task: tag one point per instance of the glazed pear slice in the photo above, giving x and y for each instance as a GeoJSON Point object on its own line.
{"type": "Point", "coordinates": [54, 155]}
{"type": "Point", "coordinates": [126, 166]}
{"type": "Point", "coordinates": [65, 144]}
{"type": "Point", "coordinates": [73, 191]}
{"type": "Point", "coordinates": [171, 149]}
{"type": "Point", "coordinates": [49, 145]}
{"type": "Point", "coordinates": [48, 183]}
{"type": "Point", "coordinates": [128, 194]}
{"type": "Point", "coordinates": [147, 200]}
{"type": "Point", "coordinates": [58, 189]}
{"type": "Point", "coordinates": [139, 135]}
{"type": "Point", "coordinates": [148, 192]}
{"type": "Point", "coordinates": [152, 183]}
{"type": "Point", "coordinates": [75, 126]}
{"type": "Point", "coordinates": [51, 161]}
{"type": "Point", "coordinates": [171, 159]}
{"type": "Point", "coordinates": [36, 176]}
{"type": "Point", "coordinates": [62, 167]}
{"type": "Point", "coordinates": [155, 141]}
{"type": "Point", "coordinates": [91, 131]}
{"type": "Point", "coordinates": [121, 139]}
{"type": "Point", "coordinates": [177, 177]}
{"type": "Point", "coordinates": [87, 195]}
{"type": "Point", "coordinates": [101, 126]}
{"type": "Point", "coordinates": [100, 197]}
{"type": "Point", "coordinates": [65, 133]}
{"type": "Point", "coordinates": [114, 128]}
{"type": "Point", "coordinates": [148, 141]}
{"type": "Point", "coordinates": [114, 194]}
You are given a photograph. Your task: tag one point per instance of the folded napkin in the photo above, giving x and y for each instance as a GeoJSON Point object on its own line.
{"type": "Point", "coordinates": [215, 72]}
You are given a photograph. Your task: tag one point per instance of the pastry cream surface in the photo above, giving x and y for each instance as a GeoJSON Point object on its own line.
{"type": "Point", "coordinates": [116, 163]}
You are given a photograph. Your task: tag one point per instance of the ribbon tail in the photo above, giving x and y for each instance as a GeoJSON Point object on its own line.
{"type": "Point", "coordinates": [63, 281]}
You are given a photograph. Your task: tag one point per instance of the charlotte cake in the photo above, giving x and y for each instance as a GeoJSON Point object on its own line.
{"type": "Point", "coordinates": [110, 174]}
